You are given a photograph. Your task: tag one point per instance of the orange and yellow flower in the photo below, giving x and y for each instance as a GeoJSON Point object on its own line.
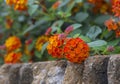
{"type": "Point", "coordinates": [117, 33]}
{"type": "Point", "coordinates": [20, 5]}
{"type": "Point", "coordinates": [12, 43]}
{"type": "Point", "coordinates": [116, 8]}
{"type": "Point", "coordinates": [111, 25]}
{"type": "Point", "coordinates": [13, 57]}
{"type": "Point", "coordinates": [40, 41]}
{"type": "Point", "coordinates": [10, 2]}
{"type": "Point", "coordinates": [100, 6]}
{"type": "Point", "coordinates": [55, 46]}
{"type": "Point", "coordinates": [76, 50]}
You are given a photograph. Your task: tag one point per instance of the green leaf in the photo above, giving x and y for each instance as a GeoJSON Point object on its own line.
{"type": "Point", "coordinates": [117, 50]}
{"type": "Point", "coordinates": [32, 9]}
{"type": "Point", "coordinates": [97, 43]}
{"type": "Point", "coordinates": [81, 16]}
{"type": "Point", "coordinates": [1, 60]}
{"type": "Point", "coordinates": [76, 26]}
{"type": "Point", "coordinates": [77, 31]}
{"type": "Point", "coordinates": [70, 6]}
{"type": "Point", "coordinates": [40, 22]}
{"type": "Point", "coordinates": [30, 2]}
{"type": "Point", "coordinates": [38, 54]}
{"type": "Point", "coordinates": [76, 35]}
{"type": "Point", "coordinates": [114, 42]}
{"type": "Point", "coordinates": [93, 32]}
{"type": "Point", "coordinates": [44, 48]}
{"type": "Point", "coordinates": [57, 25]}
{"type": "Point", "coordinates": [64, 4]}
{"type": "Point", "coordinates": [101, 19]}
{"type": "Point", "coordinates": [78, 1]}
{"type": "Point", "coordinates": [51, 58]}
{"type": "Point", "coordinates": [85, 38]}
{"type": "Point", "coordinates": [31, 46]}
{"type": "Point", "coordinates": [25, 58]}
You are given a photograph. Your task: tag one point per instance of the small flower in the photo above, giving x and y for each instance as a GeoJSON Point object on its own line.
{"type": "Point", "coordinates": [110, 48]}
{"type": "Point", "coordinates": [20, 5]}
{"type": "Point", "coordinates": [76, 50]}
{"type": "Point", "coordinates": [40, 41]}
{"type": "Point", "coordinates": [9, 2]}
{"type": "Point", "coordinates": [69, 29]}
{"type": "Point", "coordinates": [47, 33]}
{"type": "Point", "coordinates": [2, 47]}
{"type": "Point", "coordinates": [56, 5]}
{"type": "Point", "coordinates": [13, 57]}
{"type": "Point", "coordinates": [111, 25]}
{"type": "Point", "coordinates": [12, 43]}
{"type": "Point", "coordinates": [62, 36]}
{"type": "Point", "coordinates": [55, 46]}
{"type": "Point", "coordinates": [29, 41]}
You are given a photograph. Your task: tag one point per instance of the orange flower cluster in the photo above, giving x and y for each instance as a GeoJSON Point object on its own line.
{"type": "Point", "coordinates": [116, 8]}
{"type": "Point", "coordinates": [12, 43]}
{"type": "Point", "coordinates": [112, 25]}
{"type": "Point", "coordinates": [73, 49]}
{"type": "Point", "coordinates": [117, 32]}
{"type": "Point", "coordinates": [40, 41]}
{"type": "Point", "coordinates": [13, 57]}
{"type": "Point", "coordinates": [9, 22]}
{"type": "Point", "coordinates": [55, 46]}
{"type": "Point", "coordinates": [76, 50]}
{"type": "Point", "coordinates": [20, 5]}
{"type": "Point", "coordinates": [100, 6]}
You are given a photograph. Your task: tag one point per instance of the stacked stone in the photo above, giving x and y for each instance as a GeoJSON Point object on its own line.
{"type": "Point", "coordinates": [95, 70]}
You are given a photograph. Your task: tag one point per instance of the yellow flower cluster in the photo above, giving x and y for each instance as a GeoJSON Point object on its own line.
{"type": "Point", "coordinates": [12, 43]}
{"type": "Point", "coordinates": [13, 57]}
{"type": "Point", "coordinates": [40, 41]}
{"type": "Point", "coordinates": [20, 5]}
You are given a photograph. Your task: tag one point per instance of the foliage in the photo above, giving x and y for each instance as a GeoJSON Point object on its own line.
{"type": "Point", "coordinates": [94, 21]}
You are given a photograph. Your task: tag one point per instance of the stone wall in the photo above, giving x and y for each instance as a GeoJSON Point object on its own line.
{"type": "Point", "coordinates": [95, 70]}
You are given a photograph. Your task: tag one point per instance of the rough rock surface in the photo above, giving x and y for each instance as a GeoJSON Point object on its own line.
{"type": "Point", "coordinates": [49, 72]}
{"type": "Point", "coordinates": [73, 73]}
{"type": "Point", "coordinates": [114, 70]}
{"type": "Point", "coordinates": [4, 72]}
{"type": "Point", "coordinates": [95, 70]}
